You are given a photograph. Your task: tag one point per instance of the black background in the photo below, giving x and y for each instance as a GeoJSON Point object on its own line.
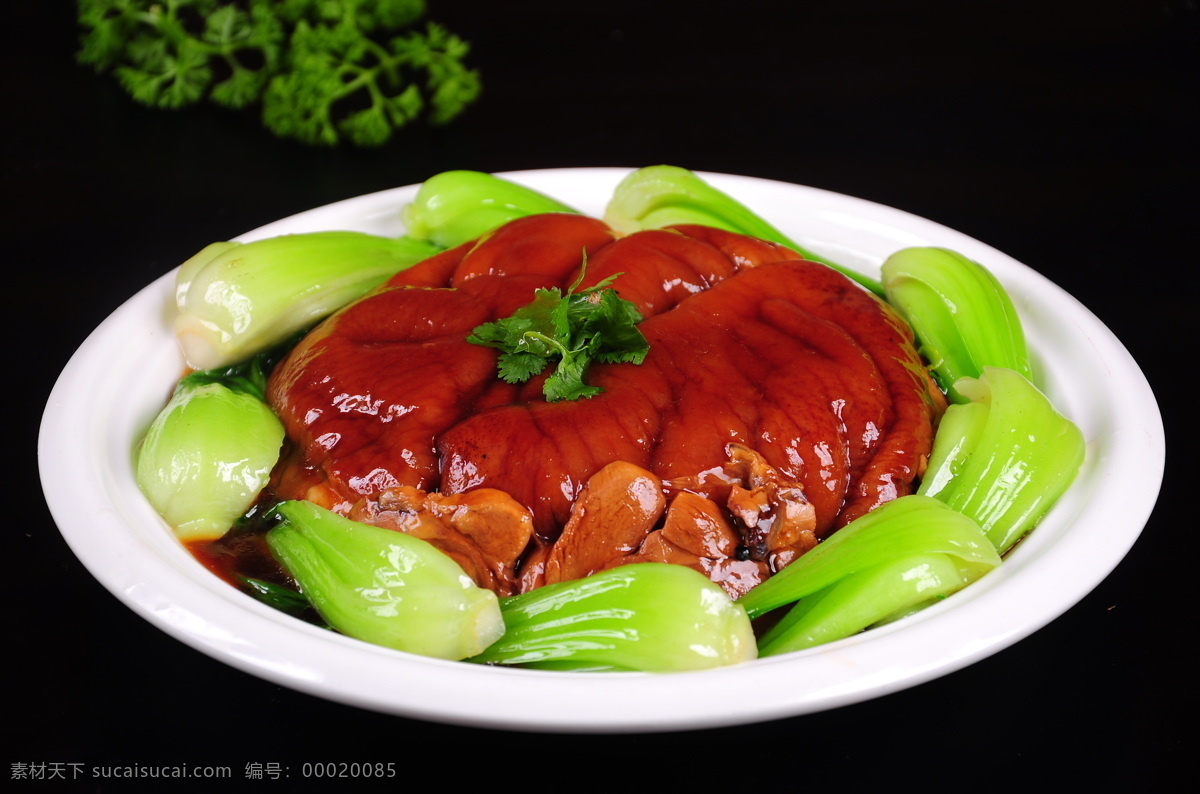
{"type": "Point", "coordinates": [1062, 133]}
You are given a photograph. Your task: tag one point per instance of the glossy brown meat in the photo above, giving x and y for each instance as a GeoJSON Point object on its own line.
{"type": "Point", "coordinates": [617, 508]}
{"type": "Point", "coordinates": [738, 524]}
{"type": "Point", "coordinates": [697, 533]}
{"type": "Point", "coordinates": [485, 531]}
{"type": "Point", "coordinates": [748, 344]}
{"type": "Point", "coordinates": [365, 395]}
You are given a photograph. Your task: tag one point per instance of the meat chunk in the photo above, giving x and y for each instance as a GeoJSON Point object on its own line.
{"type": "Point", "coordinates": [698, 533]}
{"type": "Point", "coordinates": [737, 525]}
{"type": "Point", "coordinates": [614, 513]}
{"type": "Point", "coordinates": [698, 525]}
{"type": "Point", "coordinates": [484, 531]}
{"type": "Point", "coordinates": [780, 521]}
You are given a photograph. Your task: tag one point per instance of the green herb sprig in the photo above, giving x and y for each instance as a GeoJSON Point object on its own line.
{"type": "Point", "coordinates": [592, 324]}
{"type": "Point", "coordinates": [322, 72]}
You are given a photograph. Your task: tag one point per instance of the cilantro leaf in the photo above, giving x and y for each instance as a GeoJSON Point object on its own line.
{"type": "Point", "coordinates": [572, 330]}
{"type": "Point", "coordinates": [520, 366]}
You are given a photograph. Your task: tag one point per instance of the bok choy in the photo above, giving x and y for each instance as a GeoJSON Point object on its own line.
{"type": "Point", "coordinates": [900, 557]}
{"type": "Point", "coordinates": [1003, 458]}
{"type": "Point", "coordinates": [666, 195]}
{"type": "Point", "coordinates": [963, 318]}
{"type": "Point", "coordinates": [208, 454]}
{"type": "Point", "coordinates": [382, 586]}
{"type": "Point", "coordinates": [453, 207]}
{"type": "Point", "coordinates": [236, 299]}
{"type": "Point", "coordinates": [652, 617]}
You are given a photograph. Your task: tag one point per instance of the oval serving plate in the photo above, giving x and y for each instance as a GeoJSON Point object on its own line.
{"type": "Point", "coordinates": [123, 373]}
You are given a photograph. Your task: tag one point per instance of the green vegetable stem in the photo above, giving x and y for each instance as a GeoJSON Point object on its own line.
{"type": "Point", "coordinates": [651, 617]}
{"type": "Point", "coordinates": [453, 207]}
{"type": "Point", "coordinates": [1003, 458]}
{"type": "Point", "coordinates": [900, 557]}
{"type": "Point", "coordinates": [666, 195]}
{"type": "Point", "coordinates": [323, 71]}
{"type": "Point", "coordinates": [382, 586]}
{"type": "Point", "coordinates": [208, 454]}
{"type": "Point", "coordinates": [962, 316]}
{"type": "Point", "coordinates": [236, 299]}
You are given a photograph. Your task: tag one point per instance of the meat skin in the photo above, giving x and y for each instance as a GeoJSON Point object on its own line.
{"type": "Point", "coordinates": [749, 345]}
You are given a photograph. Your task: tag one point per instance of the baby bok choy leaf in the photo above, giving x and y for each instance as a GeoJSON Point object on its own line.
{"type": "Point", "coordinates": [900, 557]}
{"type": "Point", "coordinates": [235, 299]}
{"type": "Point", "coordinates": [453, 207]}
{"type": "Point", "coordinates": [1003, 458]}
{"type": "Point", "coordinates": [382, 586]}
{"type": "Point", "coordinates": [962, 316]}
{"type": "Point", "coordinates": [651, 617]}
{"type": "Point", "coordinates": [667, 195]}
{"type": "Point", "coordinates": [208, 453]}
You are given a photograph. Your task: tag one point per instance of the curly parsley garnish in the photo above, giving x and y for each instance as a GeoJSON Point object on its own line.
{"type": "Point", "coordinates": [593, 324]}
{"type": "Point", "coordinates": [324, 72]}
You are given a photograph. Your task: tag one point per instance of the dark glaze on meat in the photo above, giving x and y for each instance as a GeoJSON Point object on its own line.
{"type": "Point", "coordinates": [749, 345]}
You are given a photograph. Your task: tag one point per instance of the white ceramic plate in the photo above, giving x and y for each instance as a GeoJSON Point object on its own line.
{"type": "Point", "coordinates": [122, 375]}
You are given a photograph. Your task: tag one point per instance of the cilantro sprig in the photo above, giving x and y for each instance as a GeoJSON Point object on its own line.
{"type": "Point", "coordinates": [322, 72]}
{"type": "Point", "coordinates": [592, 324]}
